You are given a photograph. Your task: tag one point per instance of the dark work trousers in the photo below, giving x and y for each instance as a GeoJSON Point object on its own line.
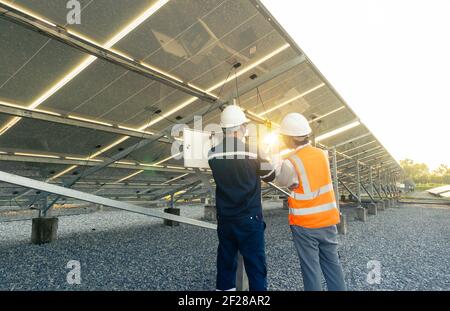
{"type": "Point", "coordinates": [245, 235]}
{"type": "Point", "coordinates": [317, 250]}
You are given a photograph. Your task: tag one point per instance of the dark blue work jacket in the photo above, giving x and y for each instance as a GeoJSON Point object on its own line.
{"type": "Point", "coordinates": [237, 173]}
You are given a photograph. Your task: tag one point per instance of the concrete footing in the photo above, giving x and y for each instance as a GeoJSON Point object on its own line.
{"type": "Point", "coordinates": [361, 214]}
{"type": "Point", "coordinates": [393, 203]}
{"type": "Point", "coordinates": [210, 212]}
{"type": "Point", "coordinates": [387, 203]}
{"type": "Point", "coordinates": [44, 230]}
{"type": "Point", "coordinates": [173, 211]}
{"type": "Point", "coordinates": [380, 206]}
{"type": "Point", "coordinates": [372, 209]}
{"type": "Point", "coordinates": [342, 225]}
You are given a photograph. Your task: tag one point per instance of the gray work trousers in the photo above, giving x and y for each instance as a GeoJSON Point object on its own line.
{"type": "Point", "coordinates": [317, 250]}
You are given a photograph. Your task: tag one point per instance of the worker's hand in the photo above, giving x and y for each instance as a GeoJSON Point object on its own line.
{"type": "Point", "coordinates": [293, 186]}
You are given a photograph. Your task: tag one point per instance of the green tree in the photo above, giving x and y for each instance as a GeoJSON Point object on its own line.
{"type": "Point", "coordinates": [441, 174]}
{"type": "Point", "coordinates": [418, 172]}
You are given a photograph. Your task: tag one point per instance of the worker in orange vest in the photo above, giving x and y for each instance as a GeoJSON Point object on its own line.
{"type": "Point", "coordinates": [313, 213]}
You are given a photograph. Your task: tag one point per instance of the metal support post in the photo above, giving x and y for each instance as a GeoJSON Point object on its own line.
{"type": "Point", "coordinates": [371, 181]}
{"type": "Point", "coordinates": [360, 210]}
{"type": "Point", "coordinates": [342, 225]}
{"type": "Point", "coordinates": [379, 177]}
{"type": "Point", "coordinates": [358, 182]}
{"type": "Point", "coordinates": [386, 182]}
{"type": "Point", "coordinates": [172, 210]}
{"type": "Point", "coordinates": [335, 177]}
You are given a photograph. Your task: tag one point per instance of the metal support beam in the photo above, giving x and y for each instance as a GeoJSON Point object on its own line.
{"type": "Point", "coordinates": [379, 176]}
{"type": "Point", "coordinates": [352, 140]}
{"type": "Point", "coordinates": [348, 189]}
{"type": "Point", "coordinates": [380, 183]}
{"type": "Point", "coordinates": [368, 192]}
{"type": "Point", "coordinates": [366, 163]}
{"type": "Point", "coordinates": [358, 182]}
{"type": "Point", "coordinates": [386, 183]}
{"type": "Point", "coordinates": [62, 191]}
{"type": "Point", "coordinates": [363, 151]}
{"type": "Point", "coordinates": [357, 147]}
{"type": "Point", "coordinates": [32, 159]}
{"type": "Point", "coordinates": [378, 192]}
{"type": "Point", "coordinates": [49, 117]}
{"type": "Point", "coordinates": [366, 157]}
{"type": "Point", "coordinates": [335, 177]}
{"type": "Point", "coordinates": [391, 187]}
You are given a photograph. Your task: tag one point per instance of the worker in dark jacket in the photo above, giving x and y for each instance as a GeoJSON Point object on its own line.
{"type": "Point", "coordinates": [237, 173]}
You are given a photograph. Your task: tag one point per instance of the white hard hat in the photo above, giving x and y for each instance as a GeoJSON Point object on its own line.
{"type": "Point", "coordinates": [295, 124]}
{"type": "Point", "coordinates": [232, 116]}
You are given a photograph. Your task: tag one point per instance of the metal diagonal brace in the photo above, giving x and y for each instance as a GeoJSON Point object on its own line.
{"type": "Point", "coordinates": [378, 192]}
{"type": "Point", "coordinates": [370, 195]}
{"type": "Point", "coordinates": [348, 189]}
{"type": "Point", "coordinates": [384, 191]}
{"type": "Point", "coordinates": [83, 196]}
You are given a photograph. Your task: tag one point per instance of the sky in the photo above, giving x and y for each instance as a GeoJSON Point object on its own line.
{"type": "Point", "coordinates": [389, 60]}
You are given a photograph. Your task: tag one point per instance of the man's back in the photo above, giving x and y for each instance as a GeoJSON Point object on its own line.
{"type": "Point", "coordinates": [237, 172]}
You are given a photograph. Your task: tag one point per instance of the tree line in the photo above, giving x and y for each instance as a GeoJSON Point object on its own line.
{"type": "Point", "coordinates": [421, 174]}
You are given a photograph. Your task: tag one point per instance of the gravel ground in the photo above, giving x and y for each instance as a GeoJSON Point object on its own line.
{"type": "Point", "coordinates": [125, 251]}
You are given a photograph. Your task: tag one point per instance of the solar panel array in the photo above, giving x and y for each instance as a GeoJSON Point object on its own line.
{"type": "Point", "coordinates": [73, 98]}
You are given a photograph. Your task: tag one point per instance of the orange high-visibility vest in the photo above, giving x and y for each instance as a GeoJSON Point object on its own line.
{"type": "Point", "coordinates": [312, 204]}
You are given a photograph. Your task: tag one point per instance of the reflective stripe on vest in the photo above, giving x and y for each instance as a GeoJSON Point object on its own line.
{"type": "Point", "coordinates": [303, 177]}
{"type": "Point", "coordinates": [312, 195]}
{"type": "Point", "coordinates": [232, 154]}
{"type": "Point", "coordinates": [312, 210]}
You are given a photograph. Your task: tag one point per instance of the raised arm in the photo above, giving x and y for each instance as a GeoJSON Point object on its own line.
{"type": "Point", "coordinates": [286, 175]}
